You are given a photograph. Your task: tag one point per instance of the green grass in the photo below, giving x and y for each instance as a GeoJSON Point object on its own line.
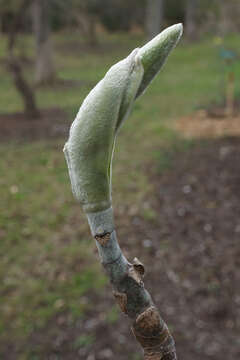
{"type": "Point", "coordinates": [47, 258]}
{"type": "Point", "coordinates": [46, 263]}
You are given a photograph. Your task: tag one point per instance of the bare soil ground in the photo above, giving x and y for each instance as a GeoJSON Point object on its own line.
{"type": "Point", "coordinates": [191, 250]}
{"type": "Point", "coordinates": [51, 124]}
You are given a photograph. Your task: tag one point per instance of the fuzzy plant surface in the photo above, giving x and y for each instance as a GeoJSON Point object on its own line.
{"type": "Point", "coordinates": [89, 149]}
{"type": "Point", "coordinates": [89, 152]}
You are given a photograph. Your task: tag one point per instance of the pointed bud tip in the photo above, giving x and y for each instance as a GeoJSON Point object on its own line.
{"type": "Point", "coordinates": [154, 54]}
{"type": "Point", "coordinates": [170, 35]}
{"type": "Point", "coordinates": [177, 29]}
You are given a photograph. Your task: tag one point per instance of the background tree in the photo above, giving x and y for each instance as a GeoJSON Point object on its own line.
{"type": "Point", "coordinates": [113, 14]}
{"type": "Point", "coordinates": [154, 17]}
{"type": "Point", "coordinates": [229, 12]}
{"type": "Point", "coordinates": [191, 18]}
{"type": "Point", "coordinates": [18, 10]}
{"type": "Point", "coordinates": [86, 14]}
{"type": "Point", "coordinates": [45, 70]}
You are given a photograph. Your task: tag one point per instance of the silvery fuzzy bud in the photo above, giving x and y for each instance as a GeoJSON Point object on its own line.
{"type": "Point", "coordinates": [89, 149]}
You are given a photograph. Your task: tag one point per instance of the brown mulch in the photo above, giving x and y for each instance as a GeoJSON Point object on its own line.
{"type": "Point", "coordinates": [208, 125]}
{"type": "Point", "coordinates": [52, 124]}
{"type": "Point", "coordinates": [192, 254]}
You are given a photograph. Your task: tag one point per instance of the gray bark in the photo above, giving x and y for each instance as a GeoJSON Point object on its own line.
{"type": "Point", "coordinates": [190, 18]}
{"type": "Point", "coordinates": [45, 71]}
{"type": "Point", "coordinates": [128, 289]}
{"type": "Point", "coordinates": [154, 17]}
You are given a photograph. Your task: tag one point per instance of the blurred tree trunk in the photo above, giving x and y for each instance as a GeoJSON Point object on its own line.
{"type": "Point", "coordinates": [14, 67]}
{"type": "Point", "coordinates": [45, 71]}
{"type": "Point", "coordinates": [26, 92]}
{"type": "Point", "coordinates": [154, 17]}
{"type": "Point", "coordinates": [87, 24]}
{"type": "Point", "coordinates": [190, 18]}
{"type": "Point", "coordinates": [93, 41]}
{"type": "Point", "coordinates": [229, 16]}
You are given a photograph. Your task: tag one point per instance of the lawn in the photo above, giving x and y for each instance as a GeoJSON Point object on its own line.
{"type": "Point", "coordinates": [47, 259]}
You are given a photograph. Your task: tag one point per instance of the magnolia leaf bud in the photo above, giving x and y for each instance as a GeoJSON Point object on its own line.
{"type": "Point", "coordinates": [89, 149]}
